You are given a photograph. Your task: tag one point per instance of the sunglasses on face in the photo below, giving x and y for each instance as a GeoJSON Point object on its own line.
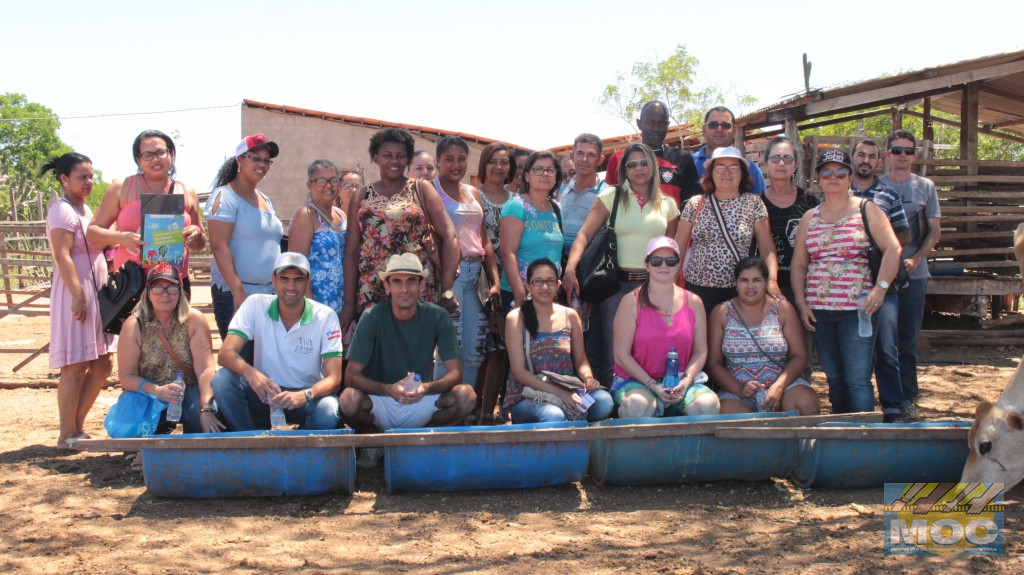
{"type": "Point", "coordinates": [161, 290]}
{"type": "Point", "coordinates": [838, 172]}
{"type": "Point", "coordinates": [717, 125]}
{"type": "Point", "coordinates": [634, 164]}
{"type": "Point", "coordinates": [902, 150]}
{"type": "Point", "coordinates": [775, 159]}
{"type": "Point", "coordinates": [670, 261]}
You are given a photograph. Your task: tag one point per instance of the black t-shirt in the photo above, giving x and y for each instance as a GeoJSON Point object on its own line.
{"type": "Point", "coordinates": [676, 172]}
{"type": "Point", "coordinates": [784, 222]}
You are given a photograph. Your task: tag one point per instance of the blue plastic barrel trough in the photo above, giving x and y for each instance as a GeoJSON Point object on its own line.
{"type": "Point", "coordinates": [485, 466]}
{"type": "Point", "coordinates": [251, 472]}
{"type": "Point", "coordinates": [688, 458]}
{"type": "Point", "coordinates": [855, 463]}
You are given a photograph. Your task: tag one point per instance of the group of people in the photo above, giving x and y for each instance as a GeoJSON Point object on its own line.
{"type": "Point", "coordinates": [448, 296]}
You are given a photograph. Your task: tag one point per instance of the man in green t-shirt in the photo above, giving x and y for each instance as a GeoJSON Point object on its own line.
{"type": "Point", "coordinates": [395, 341]}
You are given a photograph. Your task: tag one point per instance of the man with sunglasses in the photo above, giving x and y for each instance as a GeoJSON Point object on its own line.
{"type": "Point", "coordinates": [921, 205]}
{"type": "Point", "coordinates": [719, 131]}
{"type": "Point", "coordinates": [677, 173]}
{"type": "Point", "coordinates": [866, 156]}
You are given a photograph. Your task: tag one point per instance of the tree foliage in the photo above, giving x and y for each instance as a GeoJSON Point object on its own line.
{"type": "Point", "coordinates": [28, 137]}
{"type": "Point", "coordinates": [674, 82]}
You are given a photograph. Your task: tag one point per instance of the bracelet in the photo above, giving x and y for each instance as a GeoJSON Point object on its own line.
{"type": "Point", "coordinates": [206, 410]}
{"type": "Point", "coordinates": [651, 383]}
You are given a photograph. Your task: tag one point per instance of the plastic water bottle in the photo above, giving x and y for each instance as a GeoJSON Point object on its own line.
{"type": "Point", "coordinates": [412, 382]}
{"type": "Point", "coordinates": [864, 328]}
{"type": "Point", "coordinates": [277, 418]}
{"type": "Point", "coordinates": [671, 369]}
{"type": "Point", "coordinates": [174, 408]}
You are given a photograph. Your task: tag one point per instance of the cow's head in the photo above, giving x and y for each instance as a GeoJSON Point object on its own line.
{"type": "Point", "coordinates": [997, 447]}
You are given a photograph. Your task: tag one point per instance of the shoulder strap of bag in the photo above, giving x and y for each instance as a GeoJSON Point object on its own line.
{"type": "Point", "coordinates": [721, 226]}
{"type": "Point", "coordinates": [85, 240]}
{"type": "Point", "coordinates": [864, 219]}
{"type": "Point", "coordinates": [736, 314]}
{"type": "Point", "coordinates": [174, 357]}
{"type": "Point", "coordinates": [419, 199]}
{"type": "Point", "coordinates": [526, 348]}
{"type": "Point", "coordinates": [615, 206]}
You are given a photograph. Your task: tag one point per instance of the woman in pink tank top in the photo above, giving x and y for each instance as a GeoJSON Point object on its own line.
{"type": "Point", "coordinates": [154, 154]}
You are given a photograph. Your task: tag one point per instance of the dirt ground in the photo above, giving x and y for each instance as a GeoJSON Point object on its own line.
{"type": "Point", "coordinates": [89, 513]}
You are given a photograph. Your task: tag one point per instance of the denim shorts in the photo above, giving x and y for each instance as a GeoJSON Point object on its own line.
{"type": "Point", "coordinates": [757, 402]}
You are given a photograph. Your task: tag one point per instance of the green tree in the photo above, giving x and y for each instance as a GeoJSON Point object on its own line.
{"type": "Point", "coordinates": [673, 81]}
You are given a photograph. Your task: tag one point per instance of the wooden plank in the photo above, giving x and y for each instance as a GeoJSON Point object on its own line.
{"type": "Point", "coordinates": [951, 211]}
{"type": "Point", "coordinates": [848, 433]}
{"type": "Point", "coordinates": [967, 219]}
{"type": "Point", "coordinates": [935, 162]}
{"type": "Point", "coordinates": [972, 179]}
{"type": "Point", "coordinates": [25, 303]}
{"type": "Point", "coordinates": [490, 436]}
{"type": "Point", "coordinates": [949, 237]}
{"type": "Point", "coordinates": [952, 265]}
{"type": "Point", "coordinates": [1009, 320]}
{"type": "Point", "coordinates": [943, 285]}
{"type": "Point", "coordinates": [1015, 197]}
{"type": "Point", "coordinates": [955, 253]}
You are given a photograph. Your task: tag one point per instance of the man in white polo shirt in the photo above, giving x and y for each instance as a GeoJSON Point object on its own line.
{"type": "Point", "coordinates": [297, 360]}
{"type": "Point", "coordinates": [394, 339]}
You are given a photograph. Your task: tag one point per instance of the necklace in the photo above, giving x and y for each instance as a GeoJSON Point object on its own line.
{"type": "Point", "coordinates": [145, 182]}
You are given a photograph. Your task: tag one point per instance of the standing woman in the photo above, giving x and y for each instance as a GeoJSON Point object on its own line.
{"type": "Point", "coordinates": [463, 205]}
{"type": "Point", "coordinates": [830, 270]}
{"type": "Point", "coordinates": [495, 170]}
{"type": "Point", "coordinates": [644, 213]}
{"type": "Point", "coordinates": [154, 155]}
{"type": "Point", "coordinates": [722, 223]}
{"type": "Point", "coordinates": [245, 234]}
{"type": "Point", "coordinates": [555, 344]}
{"type": "Point", "coordinates": [531, 227]}
{"type": "Point", "coordinates": [78, 346]}
{"type": "Point", "coordinates": [317, 231]}
{"type": "Point", "coordinates": [392, 216]}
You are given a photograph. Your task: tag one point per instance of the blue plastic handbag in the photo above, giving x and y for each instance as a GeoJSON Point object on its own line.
{"type": "Point", "coordinates": [134, 415]}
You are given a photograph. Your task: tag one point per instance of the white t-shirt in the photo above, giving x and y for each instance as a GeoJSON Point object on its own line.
{"type": "Point", "coordinates": [291, 358]}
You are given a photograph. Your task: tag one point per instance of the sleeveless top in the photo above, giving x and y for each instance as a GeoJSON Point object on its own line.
{"type": "Point", "coordinates": [154, 361]}
{"type": "Point", "coordinates": [743, 359]}
{"type": "Point", "coordinates": [467, 219]}
{"type": "Point", "coordinates": [549, 351]}
{"type": "Point", "coordinates": [838, 268]}
{"type": "Point", "coordinates": [492, 221]}
{"type": "Point", "coordinates": [653, 339]}
{"type": "Point", "coordinates": [391, 226]}
{"type": "Point", "coordinates": [129, 217]}
{"type": "Point", "coordinates": [326, 253]}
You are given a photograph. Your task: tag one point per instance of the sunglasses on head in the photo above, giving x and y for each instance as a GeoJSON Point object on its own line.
{"type": "Point", "coordinates": [902, 150]}
{"type": "Point", "coordinates": [670, 261]}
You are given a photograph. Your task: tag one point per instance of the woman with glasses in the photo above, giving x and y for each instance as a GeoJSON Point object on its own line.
{"type": "Point", "coordinates": [396, 214]}
{"type": "Point", "coordinates": [317, 231]}
{"type": "Point", "coordinates": [154, 154]}
{"type": "Point", "coordinates": [644, 213]}
{"type": "Point", "coordinates": [718, 227]}
{"type": "Point", "coordinates": [165, 336]}
{"type": "Point", "coordinates": [245, 234]}
{"type": "Point", "coordinates": [530, 226]}
{"type": "Point", "coordinates": [545, 336]}
{"type": "Point", "coordinates": [652, 320]}
{"type": "Point", "coordinates": [756, 349]}
{"type": "Point", "coordinates": [830, 271]}
{"type": "Point", "coordinates": [78, 346]}
{"type": "Point", "coordinates": [350, 182]}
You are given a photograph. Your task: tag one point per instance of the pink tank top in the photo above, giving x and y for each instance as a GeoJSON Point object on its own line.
{"type": "Point", "coordinates": [129, 218]}
{"type": "Point", "coordinates": [653, 338]}
{"type": "Point", "coordinates": [467, 219]}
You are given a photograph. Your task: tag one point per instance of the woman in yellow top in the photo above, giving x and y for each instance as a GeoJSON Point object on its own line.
{"type": "Point", "coordinates": [645, 212]}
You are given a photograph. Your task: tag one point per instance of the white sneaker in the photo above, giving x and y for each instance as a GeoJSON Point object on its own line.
{"type": "Point", "coordinates": [369, 457]}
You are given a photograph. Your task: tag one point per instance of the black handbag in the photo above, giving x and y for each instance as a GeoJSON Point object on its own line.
{"type": "Point", "coordinates": [119, 295]}
{"type": "Point", "coordinates": [598, 268]}
{"type": "Point", "coordinates": [902, 278]}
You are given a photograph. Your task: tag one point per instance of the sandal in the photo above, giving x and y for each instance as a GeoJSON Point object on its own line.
{"type": "Point", "coordinates": [134, 461]}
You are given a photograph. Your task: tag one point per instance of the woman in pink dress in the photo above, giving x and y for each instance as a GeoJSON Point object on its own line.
{"type": "Point", "coordinates": [78, 346]}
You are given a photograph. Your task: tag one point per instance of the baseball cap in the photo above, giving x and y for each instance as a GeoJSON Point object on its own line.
{"type": "Point", "coordinates": [833, 157]}
{"type": "Point", "coordinates": [255, 142]}
{"type": "Point", "coordinates": [291, 260]}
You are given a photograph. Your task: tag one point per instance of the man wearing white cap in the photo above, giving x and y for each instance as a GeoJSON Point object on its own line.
{"type": "Point", "coordinates": [297, 363]}
{"type": "Point", "coordinates": [394, 341]}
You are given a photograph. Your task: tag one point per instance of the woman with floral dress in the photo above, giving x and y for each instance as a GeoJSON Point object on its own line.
{"type": "Point", "coordinates": [317, 231]}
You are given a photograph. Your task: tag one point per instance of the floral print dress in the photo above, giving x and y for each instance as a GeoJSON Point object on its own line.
{"type": "Point", "coordinates": [391, 226]}
{"type": "Point", "coordinates": [326, 254]}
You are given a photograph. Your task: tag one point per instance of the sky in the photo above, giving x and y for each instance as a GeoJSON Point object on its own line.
{"type": "Point", "coordinates": [529, 73]}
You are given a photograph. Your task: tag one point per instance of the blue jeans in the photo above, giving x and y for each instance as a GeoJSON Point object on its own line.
{"type": "Point", "coordinates": [189, 414]}
{"type": "Point", "coordinates": [845, 358]}
{"type": "Point", "coordinates": [528, 411]}
{"type": "Point", "coordinates": [912, 300]}
{"type": "Point", "coordinates": [223, 311]}
{"type": "Point", "coordinates": [470, 323]}
{"type": "Point", "coordinates": [887, 365]}
{"type": "Point", "coordinates": [243, 410]}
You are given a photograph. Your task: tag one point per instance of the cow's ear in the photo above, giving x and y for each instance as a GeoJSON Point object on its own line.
{"type": "Point", "coordinates": [983, 408]}
{"type": "Point", "coordinates": [1015, 420]}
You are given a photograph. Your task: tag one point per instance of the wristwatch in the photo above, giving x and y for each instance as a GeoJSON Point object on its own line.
{"type": "Point", "coordinates": [448, 294]}
{"type": "Point", "coordinates": [208, 408]}
{"type": "Point", "coordinates": [308, 394]}
{"type": "Point", "coordinates": [883, 284]}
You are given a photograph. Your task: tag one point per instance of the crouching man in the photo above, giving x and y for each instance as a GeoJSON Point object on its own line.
{"type": "Point", "coordinates": [297, 360]}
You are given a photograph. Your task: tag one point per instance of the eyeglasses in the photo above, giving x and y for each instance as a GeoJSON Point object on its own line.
{"type": "Point", "coordinates": [634, 164]}
{"type": "Point", "coordinates": [838, 172]}
{"type": "Point", "coordinates": [350, 186]}
{"type": "Point", "coordinates": [541, 171]}
{"type": "Point", "coordinates": [257, 159]}
{"type": "Point", "coordinates": [161, 290]}
{"type": "Point", "coordinates": [148, 156]}
{"type": "Point", "coordinates": [776, 159]}
{"type": "Point", "coordinates": [733, 168]}
{"type": "Point", "coordinates": [902, 150]}
{"type": "Point", "coordinates": [717, 125]}
{"type": "Point", "coordinates": [670, 261]}
{"type": "Point", "coordinates": [543, 283]}
{"type": "Point", "coordinates": [321, 182]}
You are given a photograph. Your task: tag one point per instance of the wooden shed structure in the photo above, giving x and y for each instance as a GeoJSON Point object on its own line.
{"type": "Point", "coordinates": [982, 200]}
